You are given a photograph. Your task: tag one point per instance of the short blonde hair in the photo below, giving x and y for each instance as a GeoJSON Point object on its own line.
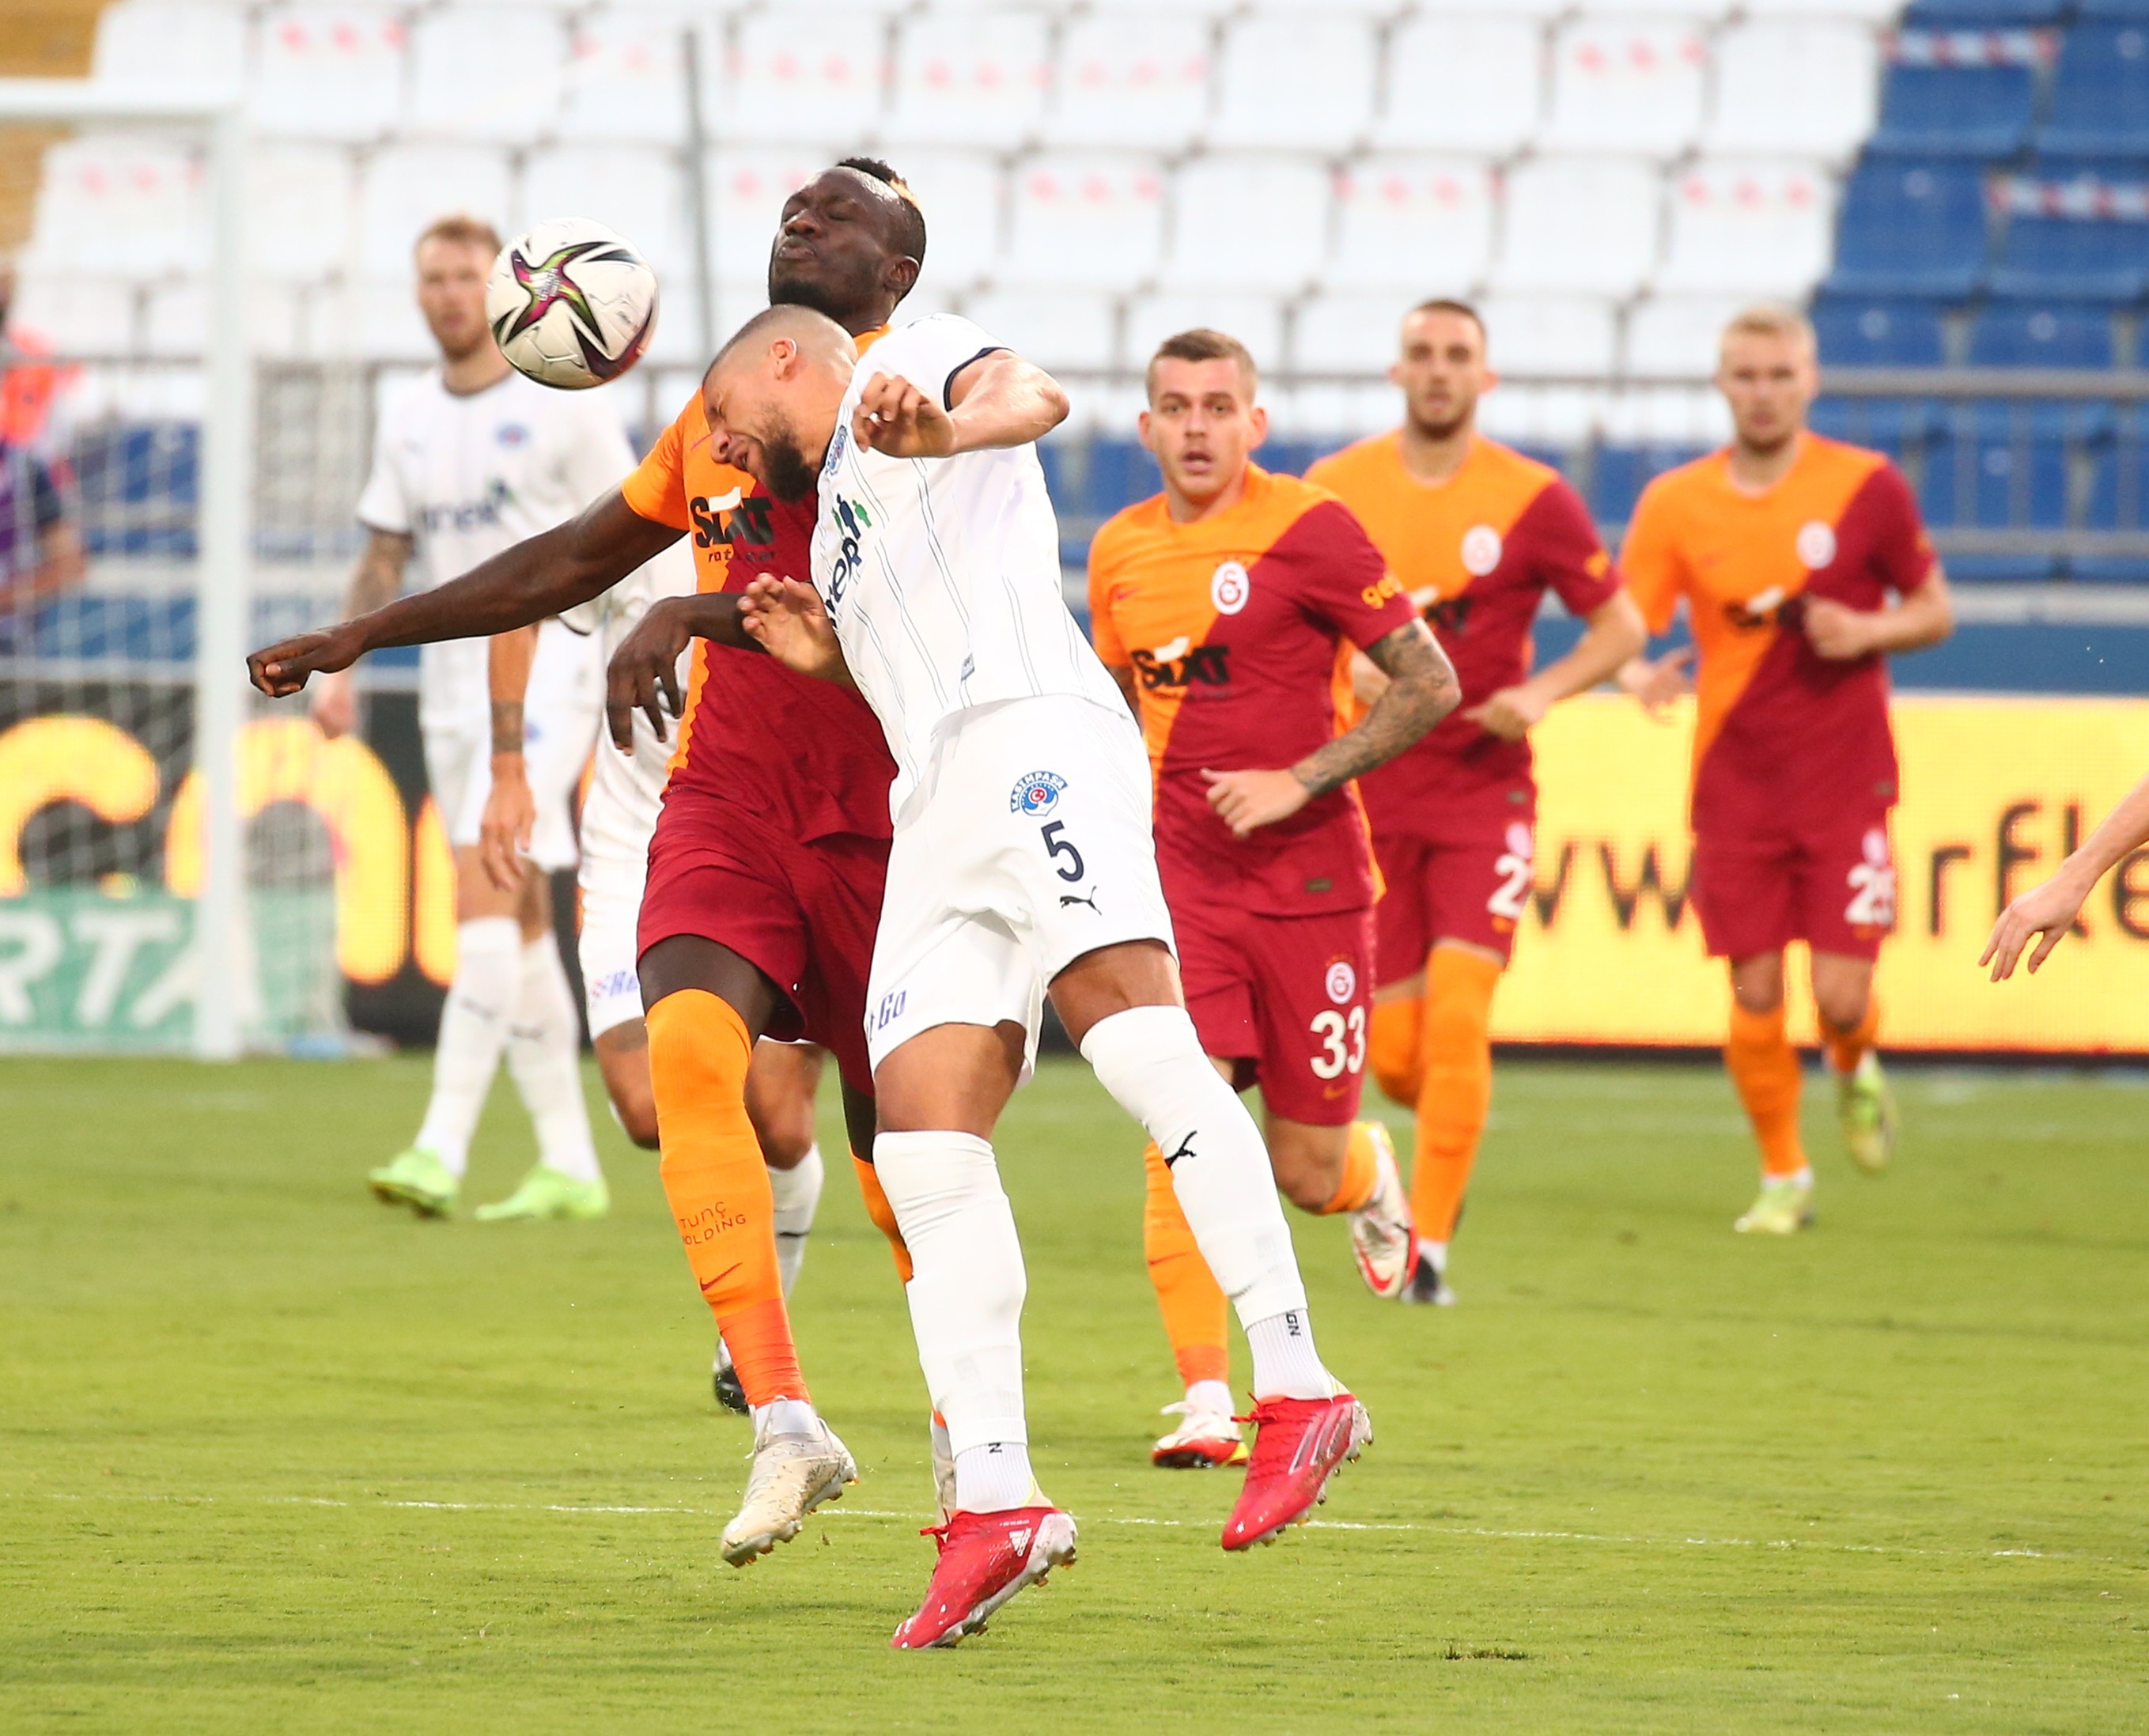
{"type": "Point", "coordinates": [461, 229]}
{"type": "Point", "coordinates": [1770, 319]}
{"type": "Point", "coordinates": [1202, 344]}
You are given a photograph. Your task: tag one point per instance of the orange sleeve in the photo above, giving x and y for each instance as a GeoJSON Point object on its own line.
{"type": "Point", "coordinates": [657, 488]}
{"type": "Point", "coordinates": [1103, 630]}
{"type": "Point", "coordinates": [1649, 560]}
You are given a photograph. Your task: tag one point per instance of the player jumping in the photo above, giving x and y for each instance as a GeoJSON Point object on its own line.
{"type": "Point", "coordinates": [1786, 547]}
{"type": "Point", "coordinates": [1478, 533]}
{"type": "Point", "coordinates": [1223, 607]}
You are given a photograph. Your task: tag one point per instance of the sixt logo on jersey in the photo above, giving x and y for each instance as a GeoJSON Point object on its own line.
{"type": "Point", "coordinates": [1770, 608]}
{"type": "Point", "coordinates": [1036, 794]}
{"type": "Point", "coordinates": [468, 515]}
{"type": "Point", "coordinates": [1182, 664]}
{"type": "Point", "coordinates": [728, 519]}
{"type": "Point", "coordinates": [851, 519]}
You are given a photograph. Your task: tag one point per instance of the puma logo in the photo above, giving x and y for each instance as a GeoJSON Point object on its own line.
{"type": "Point", "coordinates": [1185, 1149]}
{"type": "Point", "coordinates": [1074, 897]}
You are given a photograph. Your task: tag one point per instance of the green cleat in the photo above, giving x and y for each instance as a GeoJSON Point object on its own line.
{"type": "Point", "coordinates": [1867, 1108]}
{"type": "Point", "coordinates": [1784, 1208]}
{"type": "Point", "coordinates": [546, 1192]}
{"type": "Point", "coordinates": [417, 1178]}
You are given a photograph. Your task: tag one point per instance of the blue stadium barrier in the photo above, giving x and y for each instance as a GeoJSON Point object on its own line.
{"type": "Point", "coordinates": [1875, 332]}
{"type": "Point", "coordinates": [2114, 9]}
{"type": "Point", "coordinates": [1910, 230]}
{"type": "Point", "coordinates": [2002, 569]}
{"type": "Point", "coordinates": [2101, 93]}
{"type": "Point", "coordinates": [2017, 335]}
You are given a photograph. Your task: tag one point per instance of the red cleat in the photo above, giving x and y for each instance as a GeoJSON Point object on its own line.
{"type": "Point", "coordinates": [985, 1559]}
{"type": "Point", "coordinates": [1298, 1444]}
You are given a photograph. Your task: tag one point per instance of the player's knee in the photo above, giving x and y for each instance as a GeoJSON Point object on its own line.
{"type": "Point", "coordinates": [1757, 983]}
{"type": "Point", "coordinates": [1308, 1166]}
{"type": "Point", "coordinates": [1843, 1005]}
{"type": "Point", "coordinates": [786, 1133]}
{"type": "Point", "coordinates": [637, 1118]}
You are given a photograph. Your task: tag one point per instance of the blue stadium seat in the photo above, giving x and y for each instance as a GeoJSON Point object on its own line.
{"type": "Point", "coordinates": [2113, 8]}
{"type": "Point", "coordinates": [1869, 332]}
{"type": "Point", "coordinates": [2101, 93]}
{"type": "Point", "coordinates": [1997, 466]}
{"type": "Point", "coordinates": [1982, 14]}
{"type": "Point", "coordinates": [1911, 228]}
{"type": "Point", "coordinates": [2119, 478]}
{"type": "Point", "coordinates": [1120, 473]}
{"type": "Point", "coordinates": [2073, 259]}
{"type": "Point", "coordinates": [1895, 426]}
{"type": "Point", "coordinates": [1981, 112]}
{"type": "Point", "coordinates": [2108, 569]}
{"type": "Point", "coordinates": [1621, 473]}
{"type": "Point", "coordinates": [2018, 334]}
{"type": "Point", "coordinates": [2001, 569]}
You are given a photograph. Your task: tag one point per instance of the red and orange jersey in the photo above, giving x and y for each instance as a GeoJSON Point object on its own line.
{"type": "Point", "coordinates": [1785, 738]}
{"type": "Point", "coordinates": [1239, 630]}
{"type": "Point", "coordinates": [1477, 554]}
{"type": "Point", "coordinates": [832, 773]}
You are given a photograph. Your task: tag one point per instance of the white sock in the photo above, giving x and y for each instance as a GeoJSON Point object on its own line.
{"type": "Point", "coordinates": [723, 1356]}
{"type": "Point", "coordinates": [1434, 1254]}
{"type": "Point", "coordinates": [1286, 1364]}
{"type": "Point", "coordinates": [784, 1416]}
{"type": "Point", "coordinates": [796, 1191]}
{"type": "Point", "coordinates": [473, 1031]}
{"type": "Point", "coordinates": [967, 1284]}
{"type": "Point", "coordinates": [544, 1052]}
{"type": "Point", "coordinates": [1212, 1396]}
{"type": "Point", "coordinates": [992, 1478]}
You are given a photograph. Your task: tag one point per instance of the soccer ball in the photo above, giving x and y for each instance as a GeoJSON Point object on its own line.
{"type": "Point", "coordinates": [571, 304]}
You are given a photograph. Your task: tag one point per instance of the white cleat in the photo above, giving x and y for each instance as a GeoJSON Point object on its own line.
{"type": "Point", "coordinates": [1203, 1441]}
{"type": "Point", "coordinates": [792, 1475]}
{"type": "Point", "coordinates": [1383, 1237]}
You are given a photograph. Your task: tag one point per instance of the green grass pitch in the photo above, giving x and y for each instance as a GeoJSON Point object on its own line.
{"type": "Point", "coordinates": [274, 1457]}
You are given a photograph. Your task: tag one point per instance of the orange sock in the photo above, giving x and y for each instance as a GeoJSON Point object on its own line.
{"type": "Point", "coordinates": [1456, 1094]}
{"type": "Point", "coordinates": [718, 1186]}
{"type": "Point", "coordinates": [882, 1213]}
{"type": "Point", "coordinates": [1361, 1171]}
{"type": "Point", "coordinates": [1187, 1294]}
{"type": "Point", "coordinates": [1764, 1067]}
{"type": "Point", "coordinates": [1395, 1047]}
{"type": "Point", "coordinates": [1847, 1048]}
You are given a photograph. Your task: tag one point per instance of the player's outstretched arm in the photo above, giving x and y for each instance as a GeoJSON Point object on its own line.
{"type": "Point", "coordinates": [644, 674]}
{"type": "Point", "coordinates": [2049, 909]}
{"type": "Point", "coordinates": [1613, 638]}
{"type": "Point", "coordinates": [999, 399]}
{"type": "Point", "coordinates": [1421, 690]}
{"type": "Point", "coordinates": [791, 625]}
{"type": "Point", "coordinates": [542, 576]}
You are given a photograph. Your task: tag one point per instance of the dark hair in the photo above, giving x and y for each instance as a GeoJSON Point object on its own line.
{"type": "Point", "coordinates": [910, 218]}
{"type": "Point", "coordinates": [1203, 345]}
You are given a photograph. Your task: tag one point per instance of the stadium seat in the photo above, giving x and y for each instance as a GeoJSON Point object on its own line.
{"type": "Point", "coordinates": [2118, 498]}
{"type": "Point", "coordinates": [301, 209]}
{"type": "Point", "coordinates": [1579, 223]}
{"type": "Point", "coordinates": [1871, 11]}
{"type": "Point", "coordinates": [1752, 228]}
{"type": "Point", "coordinates": [329, 72]}
{"type": "Point", "coordinates": [2003, 569]}
{"type": "Point", "coordinates": [76, 316]}
{"type": "Point", "coordinates": [1305, 80]}
{"type": "Point", "coordinates": [1807, 88]}
{"type": "Point", "coordinates": [1569, 335]}
{"type": "Point", "coordinates": [1348, 331]}
{"type": "Point", "coordinates": [1626, 84]}
{"type": "Point", "coordinates": [177, 44]}
{"type": "Point", "coordinates": [1857, 332]}
{"type": "Point", "coordinates": [2101, 93]}
{"type": "Point", "coordinates": [773, 87]}
{"type": "Point", "coordinates": [1958, 93]}
{"type": "Point", "coordinates": [486, 71]}
{"type": "Point", "coordinates": [1995, 466]}
{"type": "Point", "coordinates": [121, 204]}
{"type": "Point", "coordinates": [626, 78]}
{"type": "Point", "coordinates": [371, 318]}
{"type": "Point", "coordinates": [1136, 79]}
{"type": "Point", "coordinates": [963, 195]}
{"type": "Point", "coordinates": [2012, 335]}
{"type": "Point", "coordinates": [1250, 222]}
{"type": "Point", "coordinates": [1898, 427]}
{"type": "Point", "coordinates": [1254, 320]}
{"type": "Point", "coordinates": [175, 319]}
{"type": "Point", "coordinates": [1700, 11]}
{"type": "Point", "coordinates": [1085, 222]}
{"type": "Point", "coordinates": [1056, 328]}
{"type": "Point", "coordinates": [1414, 225]}
{"type": "Point", "coordinates": [979, 79]}
{"type": "Point", "coordinates": [1468, 82]}
{"type": "Point", "coordinates": [2077, 240]}
{"type": "Point", "coordinates": [1911, 228]}
{"type": "Point", "coordinates": [404, 187]}
{"type": "Point", "coordinates": [1675, 337]}
{"type": "Point", "coordinates": [635, 190]}
{"type": "Point", "coordinates": [2137, 9]}
{"type": "Point", "coordinates": [677, 340]}
{"type": "Point", "coordinates": [1619, 473]}
{"type": "Point", "coordinates": [747, 189]}
{"type": "Point", "coordinates": [1984, 14]}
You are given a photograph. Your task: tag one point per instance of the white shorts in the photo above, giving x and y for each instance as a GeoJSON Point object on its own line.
{"type": "Point", "coordinates": [1026, 844]}
{"type": "Point", "coordinates": [561, 711]}
{"type": "Point", "coordinates": [616, 821]}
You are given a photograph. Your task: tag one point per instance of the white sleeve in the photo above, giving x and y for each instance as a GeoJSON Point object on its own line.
{"type": "Point", "coordinates": [385, 503]}
{"type": "Point", "coordinates": [929, 353]}
{"type": "Point", "coordinates": [598, 457]}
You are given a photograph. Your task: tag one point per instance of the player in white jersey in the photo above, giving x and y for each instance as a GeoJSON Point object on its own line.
{"type": "Point", "coordinates": [470, 459]}
{"type": "Point", "coordinates": [1021, 866]}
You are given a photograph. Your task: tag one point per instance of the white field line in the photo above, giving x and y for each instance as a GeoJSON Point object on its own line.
{"type": "Point", "coordinates": [1625, 1539]}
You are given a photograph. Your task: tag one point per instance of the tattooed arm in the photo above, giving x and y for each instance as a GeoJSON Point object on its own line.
{"type": "Point", "coordinates": [1421, 689]}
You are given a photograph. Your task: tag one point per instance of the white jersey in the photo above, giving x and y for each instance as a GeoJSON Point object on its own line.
{"type": "Point", "coordinates": [634, 782]}
{"type": "Point", "coordinates": [942, 574]}
{"type": "Point", "coordinates": [468, 474]}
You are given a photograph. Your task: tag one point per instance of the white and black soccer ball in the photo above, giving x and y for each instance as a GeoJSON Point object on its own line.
{"type": "Point", "coordinates": [571, 304]}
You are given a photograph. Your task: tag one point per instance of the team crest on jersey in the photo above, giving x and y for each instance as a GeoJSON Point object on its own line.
{"type": "Point", "coordinates": [1481, 549]}
{"type": "Point", "coordinates": [1815, 545]}
{"type": "Point", "coordinates": [837, 445]}
{"type": "Point", "coordinates": [1342, 984]}
{"type": "Point", "coordinates": [1228, 588]}
{"type": "Point", "coordinates": [511, 434]}
{"type": "Point", "coordinates": [1036, 794]}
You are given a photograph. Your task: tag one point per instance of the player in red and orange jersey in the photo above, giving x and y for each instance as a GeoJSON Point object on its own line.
{"type": "Point", "coordinates": [1228, 607]}
{"type": "Point", "coordinates": [1478, 533]}
{"type": "Point", "coordinates": [1785, 548]}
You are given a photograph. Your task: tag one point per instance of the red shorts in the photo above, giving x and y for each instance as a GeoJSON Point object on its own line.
{"type": "Point", "coordinates": [802, 912]}
{"type": "Point", "coordinates": [1285, 998]}
{"type": "Point", "coordinates": [1834, 890]}
{"type": "Point", "coordinates": [1473, 889]}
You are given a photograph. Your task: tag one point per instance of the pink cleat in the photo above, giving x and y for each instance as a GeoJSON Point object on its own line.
{"type": "Point", "coordinates": [985, 1559]}
{"type": "Point", "coordinates": [1298, 1445]}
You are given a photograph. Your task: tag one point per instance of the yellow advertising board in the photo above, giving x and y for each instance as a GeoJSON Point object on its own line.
{"type": "Point", "coordinates": [1995, 790]}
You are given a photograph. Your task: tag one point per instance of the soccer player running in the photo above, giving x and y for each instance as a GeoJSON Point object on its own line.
{"type": "Point", "coordinates": [471, 459]}
{"type": "Point", "coordinates": [1787, 548]}
{"type": "Point", "coordinates": [1478, 533]}
{"type": "Point", "coordinates": [771, 849]}
{"type": "Point", "coordinates": [1022, 865]}
{"type": "Point", "coordinates": [1227, 607]}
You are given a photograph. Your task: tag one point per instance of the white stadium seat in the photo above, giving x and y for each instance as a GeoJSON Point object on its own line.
{"type": "Point", "coordinates": [76, 316]}
{"type": "Point", "coordinates": [177, 45]}
{"type": "Point", "coordinates": [1135, 80]}
{"type": "Point", "coordinates": [1413, 224]}
{"type": "Point", "coordinates": [1304, 81]}
{"type": "Point", "coordinates": [120, 204]}
{"type": "Point", "coordinates": [1535, 11]}
{"type": "Point", "coordinates": [1550, 334]}
{"type": "Point", "coordinates": [626, 76]}
{"type": "Point", "coordinates": [1348, 330]}
{"type": "Point", "coordinates": [677, 339]}
{"type": "Point", "coordinates": [302, 202]}
{"type": "Point", "coordinates": [1254, 320]}
{"type": "Point", "coordinates": [1673, 337]}
{"type": "Point", "coordinates": [329, 72]}
{"type": "Point", "coordinates": [1054, 328]}
{"type": "Point", "coordinates": [1579, 224]}
{"type": "Point", "coordinates": [977, 79]}
{"type": "Point", "coordinates": [405, 187]}
{"type": "Point", "coordinates": [1469, 82]}
{"type": "Point", "coordinates": [637, 190]}
{"type": "Point", "coordinates": [176, 318]}
{"type": "Point", "coordinates": [375, 318]}
{"type": "Point", "coordinates": [1871, 11]}
{"type": "Point", "coordinates": [747, 191]}
{"type": "Point", "coordinates": [1700, 11]}
{"type": "Point", "coordinates": [1804, 88]}
{"type": "Point", "coordinates": [1084, 222]}
{"type": "Point", "coordinates": [1248, 222]}
{"type": "Point", "coordinates": [1626, 84]}
{"type": "Point", "coordinates": [1752, 228]}
{"type": "Point", "coordinates": [962, 196]}
{"type": "Point", "coordinates": [779, 83]}
{"type": "Point", "coordinates": [486, 71]}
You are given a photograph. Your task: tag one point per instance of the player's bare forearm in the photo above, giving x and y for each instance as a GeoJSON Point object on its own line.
{"type": "Point", "coordinates": [1609, 643]}
{"type": "Point", "coordinates": [1925, 617]}
{"type": "Point", "coordinates": [508, 660]}
{"type": "Point", "coordinates": [644, 674]}
{"type": "Point", "coordinates": [1421, 690]}
{"type": "Point", "coordinates": [378, 574]}
{"type": "Point", "coordinates": [2047, 911]}
{"type": "Point", "coordinates": [1002, 400]}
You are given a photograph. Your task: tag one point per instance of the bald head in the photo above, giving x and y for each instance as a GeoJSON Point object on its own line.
{"type": "Point", "coordinates": [810, 335]}
{"type": "Point", "coordinates": [771, 395]}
